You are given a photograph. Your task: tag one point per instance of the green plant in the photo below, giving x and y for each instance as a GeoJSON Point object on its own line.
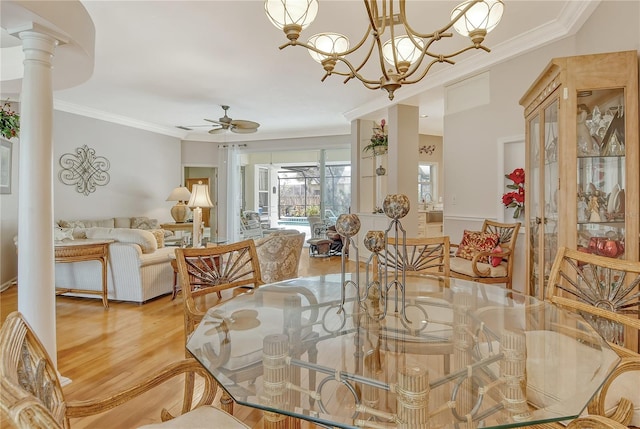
{"type": "Point", "coordinates": [9, 121]}
{"type": "Point", "coordinates": [379, 137]}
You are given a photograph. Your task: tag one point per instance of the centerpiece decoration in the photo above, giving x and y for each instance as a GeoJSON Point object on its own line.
{"type": "Point", "coordinates": [9, 121]}
{"type": "Point", "coordinates": [515, 197]}
{"type": "Point", "coordinates": [379, 140]}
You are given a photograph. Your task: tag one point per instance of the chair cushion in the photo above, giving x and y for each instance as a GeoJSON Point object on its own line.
{"type": "Point", "coordinates": [206, 416]}
{"type": "Point", "coordinates": [463, 266]}
{"type": "Point", "coordinates": [474, 242]}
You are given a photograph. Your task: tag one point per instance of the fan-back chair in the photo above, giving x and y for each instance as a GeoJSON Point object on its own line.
{"type": "Point", "coordinates": [475, 270]}
{"type": "Point", "coordinates": [210, 270]}
{"type": "Point", "coordinates": [424, 255]}
{"type": "Point", "coordinates": [606, 292]}
{"type": "Point", "coordinates": [31, 396]}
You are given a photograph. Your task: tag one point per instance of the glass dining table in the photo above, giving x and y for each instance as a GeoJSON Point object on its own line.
{"type": "Point", "coordinates": [437, 352]}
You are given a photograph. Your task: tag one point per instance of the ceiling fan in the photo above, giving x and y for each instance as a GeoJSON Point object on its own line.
{"type": "Point", "coordinates": [226, 123]}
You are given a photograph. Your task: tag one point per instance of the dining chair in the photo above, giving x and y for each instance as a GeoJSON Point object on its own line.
{"type": "Point", "coordinates": [605, 291]}
{"type": "Point", "coordinates": [31, 396]}
{"type": "Point", "coordinates": [475, 262]}
{"type": "Point", "coordinates": [423, 255]}
{"type": "Point", "coordinates": [210, 270]}
{"type": "Point", "coordinates": [279, 255]}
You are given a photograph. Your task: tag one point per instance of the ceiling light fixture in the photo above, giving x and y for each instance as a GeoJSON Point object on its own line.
{"type": "Point", "coordinates": [404, 61]}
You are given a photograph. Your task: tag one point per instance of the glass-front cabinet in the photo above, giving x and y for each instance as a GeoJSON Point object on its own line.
{"type": "Point", "coordinates": [583, 161]}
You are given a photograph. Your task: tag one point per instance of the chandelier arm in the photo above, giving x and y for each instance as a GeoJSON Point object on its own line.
{"type": "Point", "coordinates": [426, 70]}
{"type": "Point", "coordinates": [376, 32]}
{"type": "Point", "coordinates": [424, 53]}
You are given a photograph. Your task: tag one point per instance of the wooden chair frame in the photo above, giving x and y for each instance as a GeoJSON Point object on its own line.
{"type": "Point", "coordinates": [211, 270]}
{"type": "Point", "coordinates": [31, 395]}
{"type": "Point", "coordinates": [424, 255]}
{"type": "Point", "coordinates": [207, 270]}
{"type": "Point", "coordinates": [606, 292]}
{"type": "Point", "coordinates": [508, 235]}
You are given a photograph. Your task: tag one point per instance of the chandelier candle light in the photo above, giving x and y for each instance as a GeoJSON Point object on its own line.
{"type": "Point", "coordinates": [180, 212]}
{"type": "Point", "coordinates": [199, 198]}
{"type": "Point", "coordinates": [404, 58]}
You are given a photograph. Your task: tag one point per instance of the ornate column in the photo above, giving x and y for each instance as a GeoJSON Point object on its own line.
{"type": "Point", "coordinates": [36, 288]}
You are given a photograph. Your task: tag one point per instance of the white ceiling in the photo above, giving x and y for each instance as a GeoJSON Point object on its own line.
{"type": "Point", "coordinates": [159, 64]}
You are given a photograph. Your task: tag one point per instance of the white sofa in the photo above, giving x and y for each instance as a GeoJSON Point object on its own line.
{"type": "Point", "coordinates": [138, 269]}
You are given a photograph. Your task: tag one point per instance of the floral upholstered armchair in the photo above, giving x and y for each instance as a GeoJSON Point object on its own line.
{"type": "Point", "coordinates": [279, 255]}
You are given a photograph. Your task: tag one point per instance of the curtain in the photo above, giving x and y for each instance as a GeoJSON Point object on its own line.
{"type": "Point", "coordinates": [229, 193]}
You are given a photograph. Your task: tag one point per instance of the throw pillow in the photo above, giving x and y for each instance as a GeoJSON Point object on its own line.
{"type": "Point", "coordinates": [60, 234]}
{"type": "Point", "coordinates": [474, 242]}
{"type": "Point", "coordinates": [496, 260]}
{"type": "Point", "coordinates": [144, 222]}
{"type": "Point", "coordinates": [71, 224]}
{"type": "Point", "coordinates": [159, 235]}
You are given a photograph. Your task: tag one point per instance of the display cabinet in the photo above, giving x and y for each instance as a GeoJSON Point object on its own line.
{"type": "Point", "coordinates": [582, 161]}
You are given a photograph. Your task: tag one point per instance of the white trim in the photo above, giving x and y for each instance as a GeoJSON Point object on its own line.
{"type": "Point", "coordinates": [462, 218]}
{"type": "Point", "coordinates": [501, 170]}
{"type": "Point", "coordinates": [6, 285]}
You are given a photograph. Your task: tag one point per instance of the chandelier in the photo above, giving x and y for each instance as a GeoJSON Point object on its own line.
{"type": "Point", "coordinates": [404, 61]}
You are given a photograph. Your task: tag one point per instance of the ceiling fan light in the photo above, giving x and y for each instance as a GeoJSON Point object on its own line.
{"type": "Point", "coordinates": [332, 43]}
{"type": "Point", "coordinates": [283, 13]}
{"type": "Point", "coordinates": [406, 50]}
{"type": "Point", "coordinates": [483, 16]}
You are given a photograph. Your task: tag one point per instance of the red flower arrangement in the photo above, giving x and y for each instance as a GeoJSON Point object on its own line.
{"type": "Point", "coordinates": [515, 198]}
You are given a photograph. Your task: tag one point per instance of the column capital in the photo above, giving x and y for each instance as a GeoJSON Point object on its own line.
{"type": "Point", "coordinates": [33, 29]}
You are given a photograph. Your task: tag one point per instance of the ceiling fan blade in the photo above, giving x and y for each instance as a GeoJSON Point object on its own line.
{"type": "Point", "coordinates": [217, 130]}
{"type": "Point", "coordinates": [214, 121]}
{"type": "Point", "coordinates": [189, 127]}
{"type": "Point", "coordinates": [239, 130]}
{"type": "Point", "coordinates": [239, 123]}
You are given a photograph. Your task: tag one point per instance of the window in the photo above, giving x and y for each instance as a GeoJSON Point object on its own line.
{"type": "Point", "coordinates": [300, 191]}
{"type": "Point", "coordinates": [263, 191]}
{"type": "Point", "coordinates": [427, 189]}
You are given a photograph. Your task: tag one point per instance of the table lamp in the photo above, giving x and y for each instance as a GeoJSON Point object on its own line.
{"type": "Point", "coordinates": [180, 212]}
{"type": "Point", "coordinates": [199, 198]}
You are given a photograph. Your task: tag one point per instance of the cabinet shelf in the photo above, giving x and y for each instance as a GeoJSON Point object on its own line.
{"type": "Point", "coordinates": [599, 156]}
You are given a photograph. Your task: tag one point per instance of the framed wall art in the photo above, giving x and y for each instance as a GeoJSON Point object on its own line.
{"type": "Point", "coordinates": [5, 166]}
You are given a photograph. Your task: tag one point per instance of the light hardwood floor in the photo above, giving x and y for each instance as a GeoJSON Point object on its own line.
{"type": "Point", "coordinates": [102, 351]}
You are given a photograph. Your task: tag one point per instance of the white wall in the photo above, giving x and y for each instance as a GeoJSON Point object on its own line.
{"type": "Point", "coordinates": [144, 169]}
{"type": "Point", "coordinates": [471, 136]}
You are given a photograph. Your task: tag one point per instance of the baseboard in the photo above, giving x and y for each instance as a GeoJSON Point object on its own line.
{"type": "Point", "coordinates": [6, 285]}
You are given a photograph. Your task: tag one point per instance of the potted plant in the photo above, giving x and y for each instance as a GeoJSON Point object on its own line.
{"type": "Point", "coordinates": [9, 121]}
{"type": "Point", "coordinates": [379, 140]}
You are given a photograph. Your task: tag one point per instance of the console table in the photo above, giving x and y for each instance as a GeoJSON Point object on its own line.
{"type": "Point", "coordinates": [81, 251]}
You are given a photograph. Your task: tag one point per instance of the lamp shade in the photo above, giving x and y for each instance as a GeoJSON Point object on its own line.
{"type": "Point", "coordinates": [283, 13]}
{"type": "Point", "coordinates": [200, 196]}
{"type": "Point", "coordinates": [328, 42]}
{"type": "Point", "coordinates": [484, 15]}
{"type": "Point", "coordinates": [179, 194]}
{"type": "Point", "coordinates": [406, 49]}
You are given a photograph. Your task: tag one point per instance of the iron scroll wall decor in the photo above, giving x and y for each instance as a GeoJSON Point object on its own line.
{"type": "Point", "coordinates": [84, 170]}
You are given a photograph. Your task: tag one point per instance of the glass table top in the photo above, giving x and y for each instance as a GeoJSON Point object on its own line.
{"type": "Point", "coordinates": [450, 353]}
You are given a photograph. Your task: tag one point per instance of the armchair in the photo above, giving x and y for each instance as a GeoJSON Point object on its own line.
{"type": "Point", "coordinates": [31, 395]}
{"type": "Point", "coordinates": [474, 264]}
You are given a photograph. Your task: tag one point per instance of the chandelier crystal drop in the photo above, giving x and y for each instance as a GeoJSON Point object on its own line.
{"type": "Point", "coordinates": [405, 56]}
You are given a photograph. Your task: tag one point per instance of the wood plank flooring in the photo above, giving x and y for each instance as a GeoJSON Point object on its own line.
{"type": "Point", "coordinates": [102, 351]}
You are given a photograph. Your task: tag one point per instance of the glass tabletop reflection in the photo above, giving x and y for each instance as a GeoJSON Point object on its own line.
{"type": "Point", "coordinates": [445, 353]}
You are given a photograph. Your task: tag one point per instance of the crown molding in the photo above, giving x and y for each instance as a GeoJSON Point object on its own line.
{"type": "Point", "coordinates": [117, 119]}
